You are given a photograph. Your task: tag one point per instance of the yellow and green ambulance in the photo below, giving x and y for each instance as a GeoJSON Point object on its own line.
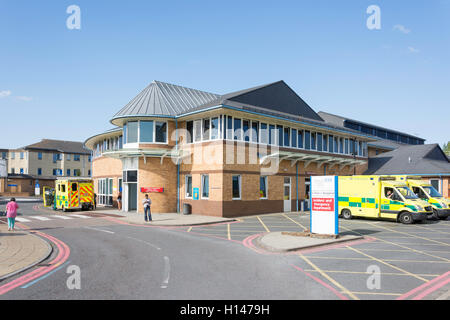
{"type": "Point", "coordinates": [74, 193]}
{"type": "Point", "coordinates": [380, 197]}
{"type": "Point", "coordinates": [425, 191]}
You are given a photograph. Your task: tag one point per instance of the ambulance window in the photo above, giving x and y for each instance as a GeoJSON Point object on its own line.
{"type": "Point", "coordinates": [74, 187]}
{"type": "Point", "coordinates": [63, 188]}
{"type": "Point", "coordinates": [419, 193]}
{"type": "Point", "coordinates": [59, 187]}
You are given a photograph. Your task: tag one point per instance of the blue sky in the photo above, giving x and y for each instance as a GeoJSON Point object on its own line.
{"type": "Point", "coordinates": [67, 84]}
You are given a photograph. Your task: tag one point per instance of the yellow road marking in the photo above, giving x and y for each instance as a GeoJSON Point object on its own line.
{"type": "Point", "coordinates": [229, 235]}
{"type": "Point", "coordinates": [412, 235]}
{"type": "Point", "coordinates": [378, 293]}
{"type": "Point", "coordinates": [365, 259]}
{"type": "Point", "coordinates": [402, 246]}
{"type": "Point", "coordinates": [326, 276]}
{"type": "Point", "coordinates": [388, 264]}
{"type": "Point", "coordinates": [265, 227]}
{"type": "Point", "coordinates": [189, 230]}
{"type": "Point", "coordinates": [304, 228]}
{"type": "Point", "coordinates": [382, 273]}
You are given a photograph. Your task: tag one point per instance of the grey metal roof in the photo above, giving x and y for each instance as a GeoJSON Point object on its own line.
{"type": "Point", "coordinates": [416, 159]}
{"type": "Point", "coordinates": [339, 120]}
{"type": "Point", "coordinates": [165, 99]}
{"type": "Point", "coordinates": [275, 98]}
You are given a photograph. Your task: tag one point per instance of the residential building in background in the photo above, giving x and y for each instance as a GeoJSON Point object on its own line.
{"type": "Point", "coordinates": [43, 162]}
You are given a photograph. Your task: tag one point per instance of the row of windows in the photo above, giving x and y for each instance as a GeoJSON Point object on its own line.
{"type": "Point", "coordinates": [231, 128]}
{"type": "Point", "coordinates": [56, 156]}
{"type": "Point", "coordinates": [145, 132]}
{"type": "Point", "coordinates": [381, 133]}
{"type": "Point", "coordinates": [59, 172]}
{"type": "Point", "coordinates": [111, 144]}
{"type": "Point", "coordinates": [236, 187]}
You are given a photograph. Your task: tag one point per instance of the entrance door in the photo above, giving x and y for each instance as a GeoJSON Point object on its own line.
{"type": "Point", "coordinates": [132, 197]}
{"type": "Point", "coordinates": [287, 195]}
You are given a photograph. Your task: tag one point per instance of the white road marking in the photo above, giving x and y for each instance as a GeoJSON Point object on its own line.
{"type": "Point", "coordinates": [165, 282]}
{"type": "Point", "coordinates": [107, 231]}
{"type": "Point", "coordinates": [80, 216]}
{"type": "Point", "coordinates": [62, 217]}
{"type": "Point", "coordinates": [147, 243]}
{"type": "Point", "coordinates": [22, 219]}
{"type": "Point", "coordinates": [40, 218]}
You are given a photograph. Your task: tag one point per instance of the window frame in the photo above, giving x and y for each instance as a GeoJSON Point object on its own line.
{"type": "Point", "coordinates": [240, 187]}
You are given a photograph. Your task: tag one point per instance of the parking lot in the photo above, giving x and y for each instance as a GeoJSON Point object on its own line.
{"type": "Point", "coordinates": [413, 260]}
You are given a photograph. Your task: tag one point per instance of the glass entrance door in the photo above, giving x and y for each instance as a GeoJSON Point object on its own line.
{"type": "Point", "coordinates": [132, 196]}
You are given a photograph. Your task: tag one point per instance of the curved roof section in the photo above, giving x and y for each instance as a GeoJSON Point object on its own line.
{"type": "Point", "coordinates": [164, 99]}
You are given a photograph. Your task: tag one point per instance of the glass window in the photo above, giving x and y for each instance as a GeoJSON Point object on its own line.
{"type": "Point", "coordinates": [132, 132]}
{"type": "Point", "coordinates": [124, 133]}
{"type": "Point", "coordinates": [336, 145]}
{"type": "Point", "coordinates": [190, 131]}
{"type": "Point", "coordinates": [272, 134]}
{"type": "Point", "coordinates": [300, 138]}
{"type": "Point", "coordinates": [236, 187]}
{"type": "Point", "coordinates": [40, 156]}
{"type": "Point", "coordinates": [188, 186]}
{"type": "Point", "coordinates": [346, 151]}
{"type": "Point", "coordinates": [246, 130]}
{"type": "Point", "coordinates": [307, 140]}
{"type": "Point", "coordinates": [197, 130]}
{"type": "Point", "coordinates": [205, 186]}
{"type": "Point", "coordinates": [255, 131]}
{"type": "Point", "coordinates": [21, 155]}
{"type": "Point", "coordinates": [319, 142]}
{"type": "Point", "coordinates": [280, 135]}
{"type": "Point", "coordinates": [263, 187]}
{"type": "Point", "coordinates": [68, 172]}
{"type": "Point", "coordinates": [264, 133]}
{"type": "Point", "coordinates": [39, 171]}
{"type": "Point", "coordinates": [161, 132]}
{"type": "Point", "coordinates": [76, 157]}
{"type": "Point", "coordinates": [130, 176]}
{"type": "Point", "coordinates": [287, 137]}
{"type": "Point", "coordinates": [341, 145]}
{"type": "Point", "coordinates": [313, 141]}
{"type": "Point", "coordinates": [229, 131]}
{"type": "Point", "coordinates": [294, 138]}
{"type": "Point", "coordinates": [325, 142]}
{"type": "Point", "coordinates": [330, 144]}
{"type": "Point", "coordinates": [146, 131]}
{"type": "Point", "coordinates": [237, 129]}
{"type": "Point", "coordinates": [214, 128]}
{"type": "Point", "coordinates": [352, 147]}
{"type": "Point", "coordinates": [205, 134]}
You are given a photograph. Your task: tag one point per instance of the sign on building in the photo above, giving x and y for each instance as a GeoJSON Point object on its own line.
{"type": "Point", "coordinates": [3, 169]}
{"type": "Point", "coordinates": [324, 205]}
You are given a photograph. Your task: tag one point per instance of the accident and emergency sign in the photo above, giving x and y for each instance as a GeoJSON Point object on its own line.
{"type": "Point", "coordinates": [324, 208]}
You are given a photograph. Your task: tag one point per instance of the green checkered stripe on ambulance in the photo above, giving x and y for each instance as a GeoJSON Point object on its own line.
{"type": "Point", "coordinates": [61, 200]}
{"type": "Point", "coordinates": [358, 202]}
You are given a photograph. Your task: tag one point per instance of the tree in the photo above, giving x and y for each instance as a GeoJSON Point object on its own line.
{"type": "Point", "coordinates": [446, 148]}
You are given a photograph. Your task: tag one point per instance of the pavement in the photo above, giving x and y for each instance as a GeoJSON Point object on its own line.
{"type": "Point", "coordinates": [20, 250]}
{"type": "Point", "coordinates": [278, 242]}
{"type": "Point", "coordinates": [164, 219]}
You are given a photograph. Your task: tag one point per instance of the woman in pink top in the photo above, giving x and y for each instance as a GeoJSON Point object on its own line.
{"type": "Point", "coordinates": [11, 213]}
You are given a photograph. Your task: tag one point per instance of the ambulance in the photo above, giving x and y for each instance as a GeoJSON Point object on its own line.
{"type": "Point", "coordinates": [380, 197]}
{"type": "Point", "coordinates": [74, 193]}
{"type": "Point", "coordinates": [425, 191]}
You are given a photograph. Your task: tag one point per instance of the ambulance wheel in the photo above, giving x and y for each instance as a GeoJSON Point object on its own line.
{"type": "Point", "coordinates": [406, 218]}
{"type": "Point", "coordinates": [346, 214]}
{"type": "Point", "coordinates": [435, 214]}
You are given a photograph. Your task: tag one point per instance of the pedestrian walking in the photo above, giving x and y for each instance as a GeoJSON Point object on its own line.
{"type": "Point", "coordinates": [147, 203]}
{"type": "Point", "coordinates": [119, 201]}
{"type": "Point", "coordinates": [95, 201]}
{"type": "Point", "coordinates": [11, 213]}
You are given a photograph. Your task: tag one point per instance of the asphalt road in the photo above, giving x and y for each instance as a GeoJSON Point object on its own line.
{"type": "Point", "coordinates": [119, 261]}
{"type": "Point", "coordinates": [128, 262]}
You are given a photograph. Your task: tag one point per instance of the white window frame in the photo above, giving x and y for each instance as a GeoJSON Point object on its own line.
{"type": "Point", "coordinates": [240, 186]}
{"type": "Point", "coordinates": [185, 187]}
{"type": "Point", "coordinates": [266, 178]}
{"type": "Point", "coordinates": [202, 186]}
